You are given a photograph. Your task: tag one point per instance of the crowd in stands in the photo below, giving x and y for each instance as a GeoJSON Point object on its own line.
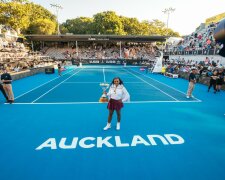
{"type": "Point", "coordinates": [20, 61]}
{"type": "Point", "coordinates": [214, 70]}
{"type": "Point", "coordinates": [180, 65]}
{"type": "Point", "coordinates": [100, 52]}
{"type": "Point", "coordinates": [8, 40]}
{"type": "Point", "coordinates": [6, 46]}
{"type": "Point", "coordinates": [14, 56]}
{"type": "Point", "coordinates": [22, 66]}
{"type": "Point", "coordinates": [201, 39]}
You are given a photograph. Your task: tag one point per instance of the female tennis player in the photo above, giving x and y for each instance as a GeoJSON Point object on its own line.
{"type": "Point", "coordinates": [117, 95]}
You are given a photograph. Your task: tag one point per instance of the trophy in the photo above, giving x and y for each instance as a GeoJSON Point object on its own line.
{"type": "Point", "coordinates": [104, 97]}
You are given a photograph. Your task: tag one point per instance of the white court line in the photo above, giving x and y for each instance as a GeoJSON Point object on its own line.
{"type": "Point", "coordinates": [103, 71]}
{"type": "Point", "coordinates": [165, 84]}
{"type": "Point", "coordinates": [56, 86]}
{"type": "Point", "coordinates": [68, 82]}
{"type": "Point", "coordinates": [152, 86]}
{"type": "Point", "coordinates": [42, 85]}
{"type": "Point", "coordinates": [134, 82]}
{"type": "Point", "coordinates": [110, 67]}
{"type": "Point", "coordinates": [117, 70]}
{"type": "Point", "coordinates": [132, 102]}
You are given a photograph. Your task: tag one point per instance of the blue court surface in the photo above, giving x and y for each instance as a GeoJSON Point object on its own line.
{"type": "Point", "coordinates": [55, 129]}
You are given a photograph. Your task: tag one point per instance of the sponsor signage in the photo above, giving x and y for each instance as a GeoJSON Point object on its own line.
{"type": "Point", "coordinates": [98, 39]}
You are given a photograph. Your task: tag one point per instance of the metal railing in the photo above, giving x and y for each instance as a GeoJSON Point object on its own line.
{"type": "Point", "coordinates": [192, 52]}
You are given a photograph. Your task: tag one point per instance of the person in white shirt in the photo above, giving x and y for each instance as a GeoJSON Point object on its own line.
{"type": "Point", "coordinates": [117, 95]}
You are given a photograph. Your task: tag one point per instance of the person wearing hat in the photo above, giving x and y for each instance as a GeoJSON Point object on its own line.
{"type": "Point", "coordinates": [192, 81]}
{"type": "Point", "coordinates": [7, 85]}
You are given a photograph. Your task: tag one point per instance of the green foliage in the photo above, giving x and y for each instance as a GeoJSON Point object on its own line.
{"type": "Point", "coordinates": [28, 17]}
{"type": "Point", "coordinates": [18, 1]}
{"type": "Point", "coordinates": [63, 29]}
{"type": "Point", "coordinates": [80, 25]}
{"type": "Point", "coordinates": [22, 15]}
{"type": "Point", "coordinates": [170, 32]}
{"type": "Point", "coordinates": [42, 26]}
{"type": "Point", "coordinates": [38, 12]}
{"type": "Point", "coordinates": [109, 22]}
{"type": "Point", "coordinates": [15, 15]}
{"type": "Point", "coordinates": [215, 19]}
{"type": "Point", "coordinates": [40, 15]}
{"type": "Point", "coordinates": [131, 25]}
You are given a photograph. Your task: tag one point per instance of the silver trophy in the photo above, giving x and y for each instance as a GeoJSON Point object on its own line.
{"type": "Point", "coordinates": [104, 87]}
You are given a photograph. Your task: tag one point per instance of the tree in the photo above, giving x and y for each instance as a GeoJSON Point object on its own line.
{"type": "Point", "coordinates": [144, 28]}
{"type": "Point", "coordinates": [37, 14]}
{"type": "Point", "coordinates": [107, 23]}
{"type": "Point", "coordinates": [170, 32]}
{"type": "Point", "coordinates": [20, 15]}
{"type": "Point", "coordinates": [63, 29]}
{"type": "Point", "coordinates": [80, 25]}
{"type": "Point", "coordinates": [37, 11]}
{"type": "Point", "coordinates": [131, 25]}
{"type": "Point", "coordinates": [15, 15]}
{"type": "Point", "coordinates": [157, 27]}
{"type": "Point", "coordinates": [18, 1]}
{"type": "Point", "coordinates": [42, 26]}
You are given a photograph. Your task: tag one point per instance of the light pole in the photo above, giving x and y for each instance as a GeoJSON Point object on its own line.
{"type": "Point", "coordinates": [168, 11]}
{"type": "Point", "coordinates": [57, 7]}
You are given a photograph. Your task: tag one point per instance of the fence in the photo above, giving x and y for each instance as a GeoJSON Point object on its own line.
{"type": "Point", "coordinates": [193, 52]}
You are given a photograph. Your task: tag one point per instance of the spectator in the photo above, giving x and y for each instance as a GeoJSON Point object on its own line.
{"type": "Point", "coordinates": [213, 80]}
{"type": "Point", "coordinates": [3, 92]}
{"type": "Point", "coordinates": [192, 81]}
{"type": "Point", "coordinates": [220, 80]}
{"type": "Point", "coordinates": [7, 85]}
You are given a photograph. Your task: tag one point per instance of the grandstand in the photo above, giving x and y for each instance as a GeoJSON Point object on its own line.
{"type": "Point", "coordinates": [198, 48]}
{"type": "Point", "coordinates": [15, 56]}
{"type": "Point", "coordinates": [201, 39]}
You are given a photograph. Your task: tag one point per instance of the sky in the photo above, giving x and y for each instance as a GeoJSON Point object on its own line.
{"type": "Point", "coordinates": [188, 14]}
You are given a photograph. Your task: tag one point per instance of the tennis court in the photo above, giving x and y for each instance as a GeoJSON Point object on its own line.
{"type": "Point", "coordinates": [54, 130]}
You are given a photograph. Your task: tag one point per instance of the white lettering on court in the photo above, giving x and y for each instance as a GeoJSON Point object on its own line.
{"type": "Point", "coordinates": [71, 146]}
{"type": "Point", "coordinates": [101, 141]}
{"type": "Point", "coordinates": [179, 139]}
{"type": "Point", "coordinates": [109, 142]}
{"type": "Point", "coordinates": [50, 143]}
{"type": "Point", "coordinates": [152, 140]}
{"type": "Point", "coordinates": [119, 143]}
{"type": "Point", "coordinates": [83, 145]}
{"type": "Point", "coordinates": [139, 140]}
